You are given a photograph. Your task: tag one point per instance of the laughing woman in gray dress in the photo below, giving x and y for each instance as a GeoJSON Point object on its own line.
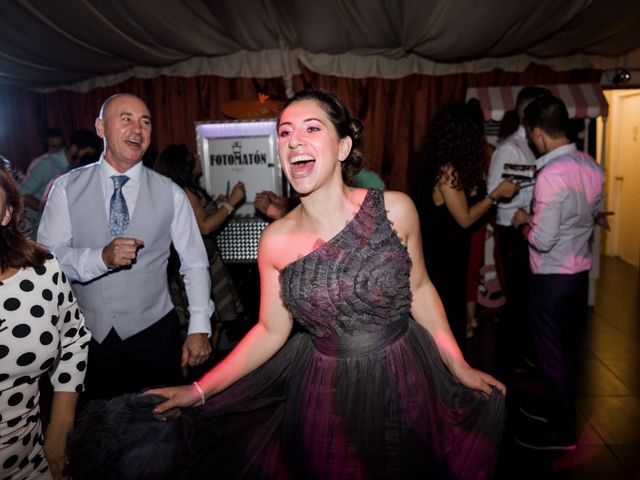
{"type": "Point", "coordinates": [370, 385]}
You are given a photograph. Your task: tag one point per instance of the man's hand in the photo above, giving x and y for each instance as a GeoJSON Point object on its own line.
{"type": "Point", "coordinates": [121, 252]}
{"type": "Point", "coordinates": [520, 218]}
{"type": "Point", "coordinates": [196, 350]}
{"type": "Point", "coordinates": [272, 205]}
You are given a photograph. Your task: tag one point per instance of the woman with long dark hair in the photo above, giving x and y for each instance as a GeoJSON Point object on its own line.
{"type": "Point", "coordinates": [41, 332]}
{"type": "Point", "coordinates": [451, 172]}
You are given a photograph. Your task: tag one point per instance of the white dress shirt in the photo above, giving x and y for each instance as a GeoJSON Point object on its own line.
{"type": "Point", "coordinates": [514, 150]}
{"type": "Point", "coordinates": [568, 195]}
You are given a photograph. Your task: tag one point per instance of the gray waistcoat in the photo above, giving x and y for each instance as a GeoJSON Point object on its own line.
{"type": "Point", "coordinates": [129, 299]}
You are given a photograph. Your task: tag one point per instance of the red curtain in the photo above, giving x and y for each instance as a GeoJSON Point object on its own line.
{"type": "Point", "coordinates": [396, 113]}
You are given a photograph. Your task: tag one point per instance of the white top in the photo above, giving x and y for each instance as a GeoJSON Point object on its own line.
{"type": "Point", "coordinates": [515, 151]}
{"type": "Point", "coordinates": [568, 196]}
{"type": "Point", "coordinates": [42, 332]}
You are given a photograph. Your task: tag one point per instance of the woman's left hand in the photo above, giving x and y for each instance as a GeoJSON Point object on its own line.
{"type": "Point", "coordinates": [472, 378]}
{"type": "Point", "coordinates": [237, 194]}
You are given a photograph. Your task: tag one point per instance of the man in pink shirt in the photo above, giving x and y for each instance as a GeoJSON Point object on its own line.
{"type": "Point", "coordinates": [566, 200]}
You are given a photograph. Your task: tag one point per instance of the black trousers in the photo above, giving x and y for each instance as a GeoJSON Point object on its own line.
{"type": "Point", "coordinates": [558, 314]}
{"type": "Point", "coordinates": [514, 340]}
{"type": "Point", "coordinates": [149, 358]}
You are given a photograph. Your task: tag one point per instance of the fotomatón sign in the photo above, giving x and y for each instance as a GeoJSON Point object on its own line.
{"type": "Point", "coordinates": [237, 157]}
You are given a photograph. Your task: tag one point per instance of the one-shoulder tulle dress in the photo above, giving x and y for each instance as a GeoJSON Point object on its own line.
{"type": "Point", "coordinates": [360, 392]}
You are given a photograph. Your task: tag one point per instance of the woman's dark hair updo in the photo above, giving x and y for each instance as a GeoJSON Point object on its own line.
{"type": "Point", "coordinates": [345, 126]}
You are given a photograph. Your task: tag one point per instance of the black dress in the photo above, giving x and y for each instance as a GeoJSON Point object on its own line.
{"type": "Point", "coordinates": [446, 253]}
{"type": "Point", "coordinates": [360, 393]}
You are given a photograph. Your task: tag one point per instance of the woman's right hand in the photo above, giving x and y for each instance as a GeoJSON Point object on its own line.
{"type": "Point", "coordinates": [506, 189]}
{"type": "Point", "coordinates": [237, 194]}
{"type": "Point", "coordinates": [182, 396]}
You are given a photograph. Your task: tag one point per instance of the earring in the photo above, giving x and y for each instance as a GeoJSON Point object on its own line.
{"type": "Point", "coordinates": [6, 217]}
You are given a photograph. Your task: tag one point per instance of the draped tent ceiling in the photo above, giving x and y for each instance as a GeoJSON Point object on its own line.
{"type": "Point", "coordinates": [84, 44]}
{"type": "Point", "coordinates": [395, 63]}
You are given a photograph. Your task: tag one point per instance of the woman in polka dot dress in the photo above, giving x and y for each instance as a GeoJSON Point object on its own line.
{"type": "Point", "coordinates": [41, 331]}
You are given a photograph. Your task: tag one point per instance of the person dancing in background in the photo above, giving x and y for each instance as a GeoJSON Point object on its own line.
{"type": "Point", "coordinates": [451, 172]}
{"type": "Point", "coordinates": [372, 386]}
{"type": "Point", "coordinates": [180, 165]}
{"type": "Point", "coordinates": [41, 332]}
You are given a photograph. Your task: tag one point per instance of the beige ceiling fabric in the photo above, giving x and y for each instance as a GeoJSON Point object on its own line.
{"type": "Point", "coordinates": [81, 44]}
{"type": "Point", "coordinates": [245, 64]}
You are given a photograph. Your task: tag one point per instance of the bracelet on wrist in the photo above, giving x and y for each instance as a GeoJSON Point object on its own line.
{"type": "Point", "coordinates": [228, 207]}
{"type": "Point", "coordinates": [493, 199]}
{"type": "Point", "coordinates": [199, 389]}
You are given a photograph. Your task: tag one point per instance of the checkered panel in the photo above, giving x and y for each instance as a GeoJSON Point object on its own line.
{"type": "Point", "coordinates": [238, 240]}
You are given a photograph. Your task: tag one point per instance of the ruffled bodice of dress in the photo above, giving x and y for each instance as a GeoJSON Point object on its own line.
{"type": "Point", "coordinates": [356, 281]}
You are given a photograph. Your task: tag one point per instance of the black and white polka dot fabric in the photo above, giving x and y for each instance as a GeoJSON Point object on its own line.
{"type": "Point", "coordinates": [41, 331]}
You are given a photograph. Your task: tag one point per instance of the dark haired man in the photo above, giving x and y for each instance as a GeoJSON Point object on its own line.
{"type": "Point", "coordinates": [42, 169]}
{"type": "Point", "coordinates": [53, 140]}
{"type": "Point", "coordinates": [566, 201]}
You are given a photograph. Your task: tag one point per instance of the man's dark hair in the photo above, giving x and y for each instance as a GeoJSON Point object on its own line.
{"type": "Point", "coordinates": [526, 95]}
{"type": "Point", "coordinates": [53, 133]}
{"type": "Point", "coordinates": [83, 138]}
{"type": "Point", "coordinates": [531, 93]}
{"type": "Point", "coordinates": [549, 114]}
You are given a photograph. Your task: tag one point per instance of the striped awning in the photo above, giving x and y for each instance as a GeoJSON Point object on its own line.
{"type": "Point", "coordinates": [583, 100]}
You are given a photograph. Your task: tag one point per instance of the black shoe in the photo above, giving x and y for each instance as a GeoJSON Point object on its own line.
{"type": "Point", "coordinates": [534, 414]}
{"type": "Point", "coordinates": [545, 439]}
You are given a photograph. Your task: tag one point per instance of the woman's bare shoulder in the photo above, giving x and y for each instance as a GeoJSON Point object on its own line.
{"type": "Point", "coordinates": [275, 245]}
{"type": "Point", "coordinates": [402, 214]}
{"type": "Point", "coordinates": [398, 203]}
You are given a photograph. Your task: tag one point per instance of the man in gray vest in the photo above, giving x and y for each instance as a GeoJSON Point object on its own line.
{"type": "Point", "coordinates": [111, 225]}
